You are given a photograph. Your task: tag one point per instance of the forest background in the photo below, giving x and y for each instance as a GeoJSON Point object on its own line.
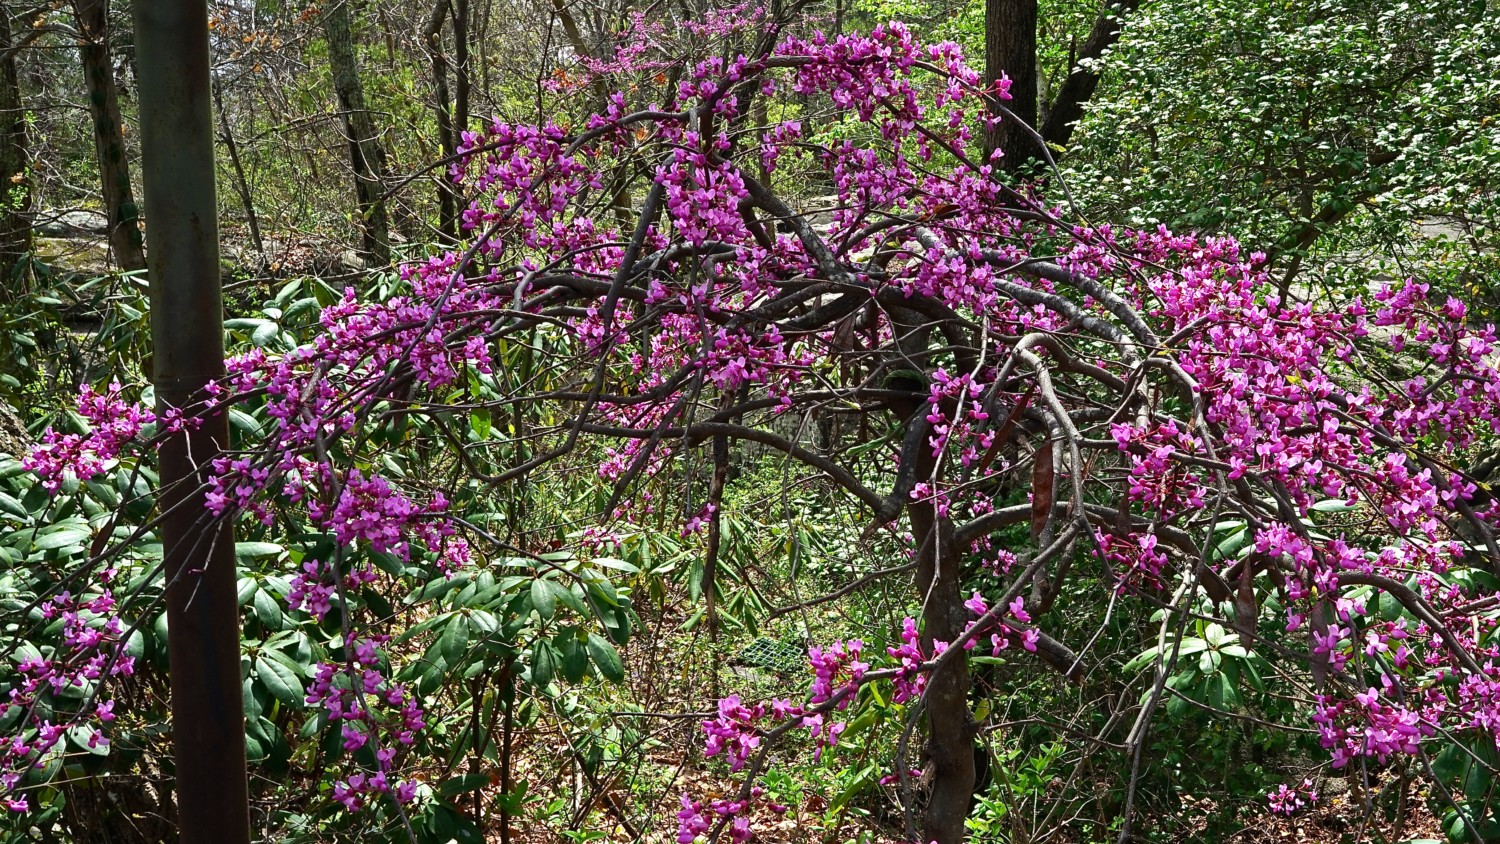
{"type": "Point", "coordinates": [568, 683]}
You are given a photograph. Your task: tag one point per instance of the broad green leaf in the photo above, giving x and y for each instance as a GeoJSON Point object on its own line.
{"type": "Point", "coordinates": [455, 639]}
{"type": "Point", "coordinates": [543, 599]}
{"type": "Point", "coordinates": [280, 681]}
{"type": "Point", "coordinates": [479, 423]}
{"type": "Point", "coordinates": [618, 565]}
{"type": "Point", "coordinates": [462, 784]}
{"type": "Point", "coordinates": [606, 658]}
{"type": "Point", "coordinates": [1334, 505]}
{"type": "Point", "coordinates": [575, 659]}
{"type": "Point", "coordinates": [67, 537]}
{"type": "Point", "coordinates": [543, 664]}
{"type": "Point", "coordinates": [267, 610]}
{"type": "Point", "coordinates": [257, 549]}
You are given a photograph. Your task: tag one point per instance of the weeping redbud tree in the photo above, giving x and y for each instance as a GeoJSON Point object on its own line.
{"type": "Point", "coordinates": [678, 297]}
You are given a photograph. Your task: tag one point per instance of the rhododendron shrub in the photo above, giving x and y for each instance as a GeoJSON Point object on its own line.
{"type": "Point", "coordinates": [1150, 390]}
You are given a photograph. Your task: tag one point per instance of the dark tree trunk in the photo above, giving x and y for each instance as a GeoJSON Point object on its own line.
{"type": "Point", "coordinates": [949, 773]}
{"type": "Point", "coordinates": [15, 189]}
{"type": "Point", "coordinates": [452, 107]}
{"type": "Point", "coordinates": [109, 135]}
{"type": "Point", "coordinates": [461, 78]}
{"type": "Point", "coordinates": [950, 732]}
{"type": "Point", "coordinates": [1083, 77]}
{"type": "Point", "coordinates": [187, 334]}
{"type": "Point", "coordinates": [1010, 48]}
{"type": "Point", "coordinates": [447, 192]}
{"type": "Point", "coordinates": [365, 153]}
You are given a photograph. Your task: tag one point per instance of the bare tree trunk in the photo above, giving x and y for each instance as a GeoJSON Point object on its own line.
{"type": "Point", "coordinates": [109, 135]}
{"type": "Point", "coordinates": [447, 192]}
{"type": "Point", "coordinates": [1010, 49]}
{"type": "Point", "coordinates": [1083, 77]}
{"type": "Point", "coordinates": [15, 189]}
{"type": "Point", "coordinates": [461, 77]}
{"type": "Point", "coordinates": [187, 334]}
{"type": "Point", "coordinates": [365, 152]}
{"type": "Point", "coordinates": [950, 734]}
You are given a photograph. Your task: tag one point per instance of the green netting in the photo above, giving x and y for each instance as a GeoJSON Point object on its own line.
{"type": "Point", "coordinates": [775, 655]}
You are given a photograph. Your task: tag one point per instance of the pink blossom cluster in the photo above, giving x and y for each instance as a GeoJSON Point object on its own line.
{"type": "Point", "coordinates": [834, 667]}
{"type": "Point", "coordinates": [910, 679]}
{"type": "Point", "coordinates": [370, 709]}
{"type": "Point", "coordinates": [113, 423]}
{"type": "Point", "coordinates": [1368, 726]}
{"type": "Point", "coordinates": [89, 654]}
{"type": "Point", "coordinates": [695, 819]}
{"type": "Point", "coordinates": [1288, 801]}
{"type": "Point", "coordinates": [314, 589]}
{"type": "Point", "coordinates": [1003, 633]}
{"type": "Point", "coordinates": [733, 731]}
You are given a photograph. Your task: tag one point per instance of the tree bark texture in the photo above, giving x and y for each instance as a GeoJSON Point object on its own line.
{"type": "Point", "coordinates": [432, 39]}
{"type": "Point", "coordinates": [1010, 49]}
{"type": "Point", "coordinates": [187, 336]}
{"type": "Point", "coordinates": [950, 731]}
{"type": "Point", "coordinates": [109, 134]}
{"type": "Point", "coordinates": [1083, 77]}
{"type": "Point", "coordinates": [15, 187]}
{"type": "Point", "coordinates": [366, 155]}
{"type": "Point", "coordinates": [452, 102]}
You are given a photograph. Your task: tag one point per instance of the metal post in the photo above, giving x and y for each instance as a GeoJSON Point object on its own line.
{"type": "Point", "coordinates": [177, 151]}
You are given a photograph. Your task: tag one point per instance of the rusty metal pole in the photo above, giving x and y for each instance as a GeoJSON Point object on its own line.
{"type": "Point", "coordinates": [177, 151]}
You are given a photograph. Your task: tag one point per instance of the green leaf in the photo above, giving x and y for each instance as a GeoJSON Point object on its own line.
{"type": "Point", "coordinates": [267, 610]}
{"type": "Point", "coordinates": [64, 538]}
{"type": "Point", "coordinates": [1333, 505]}
{"type": "Point", "coordinates": [280, 681]}
{"type": "Point", "coordinates": [618, 565]}
{"type": "Point", "coordinates": [243, 422]}
{"type": "Point", "coordinates": [438, 588]}
{"type": "Point", "coordinates": [1231, 545]}
{"type": "Point", "coordinates": [290, 663]}
{"type": "Point", "coordinates": [257, 549]}
{"type": "Point", "coordinates": [566, 594]}
{"type": "Point", "coordinates": [79, 737]}
{"type": "Point", "coordinates": [1141, 660]}
{"type": "Point", "coordinates": [1254, 676]}
{"type": "Point", "coordinates": [575, 659]}
{"type": "Point", "coordinates": [1216, 634]}
{"type": "Point", "coordinates": [861, 781]}
{"type": "Point", "coordinates": [265, 333]}
{"type": "Point", "coordinates": [543, 599]}
{"type": "Point", "coordinates": [479, 422]}
{"type": "Point", "coordinates": [251, 703]}
{"type": "Point", "coordinates": [1190, 646]}
{"type": "Point", "coordinates": [606, 658]}
{"type": "Point", "coordinates": [455, 639]}
{"type": "Point", "coordinates": [601, 589]}
{"type": "Point", "coordinates": [1208, 663]}
{"type": "Point", "coordinates": [543, 664]}
{"type": "Point", "coordinates": [463, 784]}
{"type": "Point", "coordinates": [11, 505]}
{"type": "Point", "coordinates": [245, 589]}
{"type": "Point", "coordinates": [1449, 763]}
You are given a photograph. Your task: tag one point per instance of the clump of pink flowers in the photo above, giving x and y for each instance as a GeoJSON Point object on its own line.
{"type": "Point", "coordinates": [1288, 801]}
{"type": "Point", "coordinates": [370, 710]}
